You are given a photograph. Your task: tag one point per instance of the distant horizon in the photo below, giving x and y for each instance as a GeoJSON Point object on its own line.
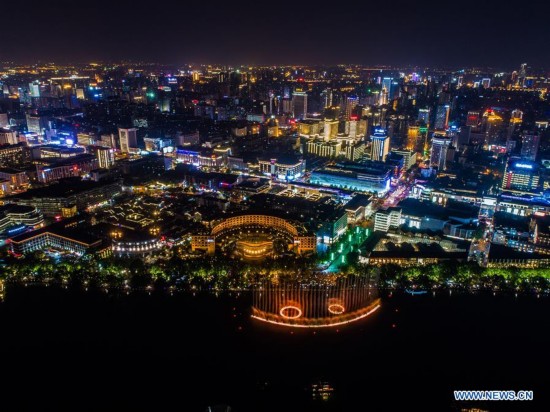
{"type": "Point", "coordinates": [378, 66]}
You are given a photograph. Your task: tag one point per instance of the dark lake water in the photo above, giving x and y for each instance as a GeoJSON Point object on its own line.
{"type": "Point", "coordinates": [70, 350]}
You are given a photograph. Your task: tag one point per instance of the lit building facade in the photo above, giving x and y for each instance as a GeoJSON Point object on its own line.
{"type": "Point", "coordinates": [358, 178]}
{"type": "Point", "coordinates": [127, 139]}
{"type": "Point", "coordinates": [530, 145]}
{"type": "Point", "coordinates": [438, 153]}
{"type": "Point", "coordinates": [380, 145]}
{"type": "Point", "coordinates": [521, 175]}
{"type": "Point", "coordinates": [283, 169]}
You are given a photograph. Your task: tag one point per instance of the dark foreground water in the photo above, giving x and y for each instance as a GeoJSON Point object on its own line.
{"type": "Point", "coordinates": [90, 351]}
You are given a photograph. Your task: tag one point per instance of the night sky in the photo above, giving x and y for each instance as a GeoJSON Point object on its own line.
{"type": "Point", "coordinates": [435, 33]}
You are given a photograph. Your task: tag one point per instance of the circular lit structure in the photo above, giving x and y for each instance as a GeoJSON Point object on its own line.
{"type": "Point", "coordinates": [336, 308]}
{"type": "Point", "coordinates": [254, 237]}
{"type": "Point", "coordinates": [320, 303]}
{"type": "Point", "coordinates": [254, 247]}
{"type": "Point", "coordinates": [284, 312]}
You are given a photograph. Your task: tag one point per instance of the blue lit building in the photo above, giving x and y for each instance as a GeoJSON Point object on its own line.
{"type": "Point", "coordinates": [370, 177]}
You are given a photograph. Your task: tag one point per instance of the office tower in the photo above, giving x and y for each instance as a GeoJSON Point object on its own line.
{"type": "Point", "coordinates": [34, 89]}
{"type": "Point", "coordinates": [385, 91]}
{"type": "Point", "coordinates": [424, 116]}
{"type": "Point", "coordinates": [362, 127]}
{"type": "Point", "coordinates": [8, 136]}
{"type": "Point", "coordinates": [521, 175]}
{"type": "Point", "coordinates": [35, 124]}
{"type": "Point", "coordinates": [299, 104]}
{"type": "Point", "coordinates": [380, 145]}
{"type": "Point", "coordinates": [128, 139]}
{"type": "Point", "coordinates": [394, 90]}
{"type": "Point", "coordinates": [287, 106]}
{"type": "Point", "coordinates": [444, 97]}
{"type": "Point", "coordinates": [327, 96]}
{"type": "Point", "coordinates": [105, 156]}
{"type": "Point", "coordinates": [516, 116]}
{"type": "Point", "coordinates": [412, 135]}
{"type": "Point", "coordinates": [522, 74]}
{"type": "Point", "coordinates": [409, 157]}
{"type": "Point", "coordinates": [330, 129]}
{"type": "Point", "coordinates": [4, 121]}
{"type": "Point", "coordinates": [473, 118]}
{"type": "Point", "coordinates": [351, 128]}
{"type": "Point", "coordinates": [491, 125]}
{"type": "Point", "coordinates": [351, 103]}
{"type": "Point", "coordinates": [442, 117]}
{"type": "Point", "coordinates": [464, 136]}
{"type": "Point", "coordinates": [529, 145]}
{"type": "Point", "coordinates": [438, 153]}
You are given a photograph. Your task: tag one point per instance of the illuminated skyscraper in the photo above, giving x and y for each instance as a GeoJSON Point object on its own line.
{"type": "Point", "coordinates": [34, 89]}
{"type": "Point", "coordinates": [380, 145]}
{"type": "Point", "coordinates": [424, 116]}
{"type": "Point", "coordinates": [299, 104]}
{"type": "Point", "coordinates": [473, 118]}
{"type": "Point", "coordinates": [491, 124]}
{"type": "Point", "coordinates": [104, 155]}
{"type": "Point", "coordinates": [128, 139]}
{"type": "Point", "coordinates": [442, 117]}
{"type": "Point", "coordinates": [326, 96]}
{"type": "Point", "coordinates": [330, 129]}
{"type": "Point", "coordinates": [385, 91]}
{"type": "Point", "coordinates": [8, 136]}
{"type": "Point", "coordinates": [529, 145]}
{"type": "Point", "coordinates": [438, 154]}
{"type": "Point", "coordinates": [351, 102]}
{"type": "Point", "coordinates": [521, 175]}
{"type": "Point", "coordinates": [4, 121]}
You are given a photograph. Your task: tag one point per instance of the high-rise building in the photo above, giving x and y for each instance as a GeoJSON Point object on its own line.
{"type": "Point", "coordinates": [380, 145]}
{"type": "Point", "coordinates": [491, 124]}
{"type": "Point", "coordinates": [8, 136]}
{"type": "Point", "coordinates": [327, 96]}
{"type": "Point", "coordinates": [486, 83]}
{"type": "Point", "coordinates": [34, 89]}
{"type": "Point", "coordinates": [464, 136]}
{"type": "Point", "coordinates": [529, 145]}
{"type": "Point", "coordinates": [351, 103]}
{"type": "Point", "coordinates": [516, 116]}
{"type": "Point", "coordinates": [473, 118]}
{"type": "Point", "coordinates": [299, 104]}
{"type": "Point", "coordinates": [330, 129]}
{"type": "Point", "coordinates": [105, 156]}
{"type": "Point", "coordinates": [385, 91]}
{"type": "Point", "coordinates": [442, 117]}
{"type": "Point", "coordinates": [4, 121]}
{"type": "Point", "coordinates": [413, 132]}
{"type": "Point", "coordinates": [128, 139]}
{"type": "Point", "coordinates": [36, 124]}
{"type": "Point", "coordinates": [438, 153]}
{"type": "Point", "coordinates": [424, 116]}
{"type": "Point", "coordinates": [409, 158]}
{"type": "Point", "coordinates": [521, 175]}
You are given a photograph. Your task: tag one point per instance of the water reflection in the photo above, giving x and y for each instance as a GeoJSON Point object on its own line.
{"type": "Point", "coordinates": [316, 304]}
